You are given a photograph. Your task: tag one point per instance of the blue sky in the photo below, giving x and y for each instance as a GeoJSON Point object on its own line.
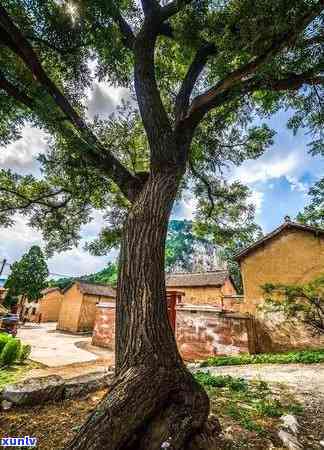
{"type": "Point", "coordinates": [279, 182]}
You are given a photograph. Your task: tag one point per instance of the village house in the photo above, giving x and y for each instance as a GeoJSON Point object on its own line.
{"type": "Point", "coordinates": [50, 305]}
{"type": "Point", "coordinates": [78, 308]}
{"type": "Point", "coordinates": [28, 310]}
{"type": "Point", "coordinates": [44, 309]}
{"type": "Point", "coordinates": [291, 254]}
{"type": "Point", "coordinates": [3, 290]}
{"type": "Point", "coordinates": [202, 288]}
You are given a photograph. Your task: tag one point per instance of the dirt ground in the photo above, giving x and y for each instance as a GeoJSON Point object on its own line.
{"type": "Point", "coordinates": [55, 424]}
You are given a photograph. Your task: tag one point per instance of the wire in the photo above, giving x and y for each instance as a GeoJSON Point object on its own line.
{"type": "Point", "coordinates": [50, 273]}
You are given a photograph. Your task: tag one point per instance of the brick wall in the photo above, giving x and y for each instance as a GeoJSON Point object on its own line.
{"type": "Point", "coordinates": [200, 331]}
{"type": "Point", "coordinates": [104, 326]}
{"type": "Point", "coordinates": [203, 332]}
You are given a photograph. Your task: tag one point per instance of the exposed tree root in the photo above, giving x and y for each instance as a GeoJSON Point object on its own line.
{"type": "Point", "coordinates": [144, 409]}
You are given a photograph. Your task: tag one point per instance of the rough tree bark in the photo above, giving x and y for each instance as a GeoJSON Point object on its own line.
{"type": "Point", "coordinates": [154, 397]}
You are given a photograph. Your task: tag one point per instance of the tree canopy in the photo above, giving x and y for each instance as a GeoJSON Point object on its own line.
{"type": "Point", "coordinates": [226, 62]}
{"type": "Point", "coordinates": [313, 213]}
{"type": "Point", "coordinates": [202, 78]}
{"type": "Point", "coordinates": [28, 277]}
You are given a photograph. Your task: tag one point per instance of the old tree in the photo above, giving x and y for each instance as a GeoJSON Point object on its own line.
{"type": "Point", "coordinates": [199, 74]}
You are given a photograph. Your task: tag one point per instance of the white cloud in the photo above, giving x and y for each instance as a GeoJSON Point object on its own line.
{"type": "Point", "coordinates": [297, 185]}
{"type": "Point", "coordinates": [256, 198]}
{"type": "Point", "coordinates": [265, 169]}
{"type": "Point", "coordinates": [103, 99]}
{"type": "Point", "coordinates": [19, 238]}
{"type": "Point", "coordinates": [20, 156]}
{"type": "Point", "coordinates": [185, 209]}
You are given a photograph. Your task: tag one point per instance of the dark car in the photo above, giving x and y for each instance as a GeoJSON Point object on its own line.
{"type": "Point", "coordinates": [9, 324]}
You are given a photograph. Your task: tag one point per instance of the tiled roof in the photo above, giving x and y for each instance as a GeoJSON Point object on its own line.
{"type": "Point", "coordinates": [101, 290]}
{"type": "Point", "coordinates": [216, 278]}
{"type": "Point", "coordinates": [51, 289]}
{"type": "Point", "coordinates": [285, 226]}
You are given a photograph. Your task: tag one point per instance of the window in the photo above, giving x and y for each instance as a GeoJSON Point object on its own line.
{"type": "Point", "coordinates": [33, 311]}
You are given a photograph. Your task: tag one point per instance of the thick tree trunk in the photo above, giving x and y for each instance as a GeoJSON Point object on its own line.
{"type": "Point", "coordinates": [154, 398]}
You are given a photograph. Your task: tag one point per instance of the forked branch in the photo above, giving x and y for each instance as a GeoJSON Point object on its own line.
{"type": "Point", "coordinates": [206, 101]}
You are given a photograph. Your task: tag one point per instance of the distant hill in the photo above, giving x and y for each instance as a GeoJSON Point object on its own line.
{"type": "Point", "coordinates": [106, 276]}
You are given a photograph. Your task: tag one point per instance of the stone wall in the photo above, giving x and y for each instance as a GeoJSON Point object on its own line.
{"type": "Point", "coordinates": [200, 331]}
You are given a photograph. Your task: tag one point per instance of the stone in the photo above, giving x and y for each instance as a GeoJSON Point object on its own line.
{"type": "Point", "coordinates": [289, 440]}
{"type": "Point", "coordinates": [6, 405]}
{"type": "Point", "coordinates": [322, 443]}
{"type": "Point", "coordinates": [34, 391]}
{"type": "Point", "coordinates": [290, 422]}
{"type": "Point", "coordinates": [84, 384]}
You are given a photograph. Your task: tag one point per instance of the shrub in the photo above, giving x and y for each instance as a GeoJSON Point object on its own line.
{"type": "Point", "coordinates": [4, 338]}
{"type": "Point", "coordinates": [10, 352]}
{"type": "Point", "coordinates": [24, 352]}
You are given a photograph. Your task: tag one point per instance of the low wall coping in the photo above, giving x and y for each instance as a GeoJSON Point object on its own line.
{"type": "Point", "coordinates": [106, 305]}
{"type": "Point", "coordinates": [213, 309]}
{"type": "Point", "coordinates": [189, 307]}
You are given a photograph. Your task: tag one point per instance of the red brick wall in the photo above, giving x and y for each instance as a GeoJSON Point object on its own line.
{"type": "Point", "coordinates": [104, 327]}
{"type": "Point", "coordinates": [200, 331]}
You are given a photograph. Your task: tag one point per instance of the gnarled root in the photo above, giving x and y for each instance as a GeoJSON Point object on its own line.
{"type": "Point", "coordinates": [145, 408]}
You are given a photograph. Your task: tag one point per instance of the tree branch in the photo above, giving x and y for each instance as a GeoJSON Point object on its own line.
{"type": "Point", "coordinates": [153, 113]}
{"type": "Point", "coordinates": [295, 81]}
{"type": "Point", "coordinates": [195, 69]}
{"type": "Point", "coordinates": [14, 92]}
{"type": "Point", "coordinates": [31, 201]}
{"type": "Point", "coordinates": [12, 37]}
{"type": "Point", "coordinates": [149, 6]}
{"type": "Point", "coordinates": [173, 8]}
{"type": "Point", "coordinates": [205, 101]}
{"type": "Point", "coordinates": [314, 40]}
{"type": "Point", "coordinates": [208, 187]}
{"type": "Point", "coordinates": [125, 29]}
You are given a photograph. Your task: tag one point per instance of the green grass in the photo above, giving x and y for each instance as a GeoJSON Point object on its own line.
{"type": "Point", "coordinates": [304, 357]}
{"type": "Point", "coordinates": [250, 404]}
{"type": "Point", "coordinates": [14, 373]}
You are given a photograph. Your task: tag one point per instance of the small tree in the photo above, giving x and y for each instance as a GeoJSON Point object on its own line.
{"type": "Point", "coordinates": [303, 301]}
{"type": "Point", "coordinates": [28, 277]}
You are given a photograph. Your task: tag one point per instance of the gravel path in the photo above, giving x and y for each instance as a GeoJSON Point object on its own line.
{"type": "Point", "coordinates": [306, 378]}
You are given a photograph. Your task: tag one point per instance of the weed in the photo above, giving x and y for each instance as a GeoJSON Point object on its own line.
{"type": "Point", "coordinates": [304, 357]}
{"type": "Point", "coordinates": [250, 404]}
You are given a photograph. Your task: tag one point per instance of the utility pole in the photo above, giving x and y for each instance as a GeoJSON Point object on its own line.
{"type": "Point", "coordinates": [4, 262]}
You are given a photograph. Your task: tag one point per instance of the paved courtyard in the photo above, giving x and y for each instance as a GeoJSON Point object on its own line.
{"type": "Point", "coordinates": [54, 348]}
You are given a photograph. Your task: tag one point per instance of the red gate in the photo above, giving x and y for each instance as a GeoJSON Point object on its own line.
{"type": "Point", "coordinates": [173, 299]}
